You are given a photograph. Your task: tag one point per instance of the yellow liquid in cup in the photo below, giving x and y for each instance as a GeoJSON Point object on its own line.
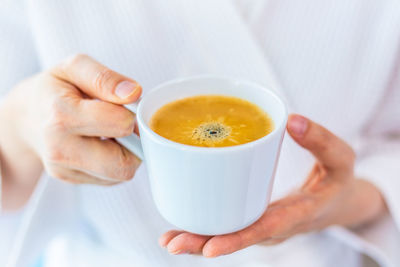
{"type": "Point", "coordinates": [211, 121]}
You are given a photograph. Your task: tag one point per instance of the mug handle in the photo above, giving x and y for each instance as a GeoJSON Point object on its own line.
{"type": "Point", "coordinates": [132, 142]}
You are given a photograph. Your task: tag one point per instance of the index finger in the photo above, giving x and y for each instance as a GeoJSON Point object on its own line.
{"type": "Point", "coordinates": [284, 218]}
{"type": "Point", "coordinates": [97, 81]}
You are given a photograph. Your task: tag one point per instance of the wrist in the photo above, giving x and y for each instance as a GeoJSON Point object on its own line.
{"type": "Point", "coordinates": [20, 166]}
{"type": "Point", "coordinates": [363, 203]}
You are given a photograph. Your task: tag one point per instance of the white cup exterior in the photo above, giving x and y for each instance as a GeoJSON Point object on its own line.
{"type": "Point", "coordinates": [211, 191]}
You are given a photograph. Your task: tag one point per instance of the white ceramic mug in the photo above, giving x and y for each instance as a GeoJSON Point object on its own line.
{"type": "Point", "coordinates": [204, 190]}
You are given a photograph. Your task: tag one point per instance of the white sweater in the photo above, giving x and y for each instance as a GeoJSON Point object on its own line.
{"type": "Point", "coordinates": [337, 62]}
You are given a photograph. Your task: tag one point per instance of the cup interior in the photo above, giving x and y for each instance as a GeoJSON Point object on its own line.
{"type": "Point", "coordinates": [165, 93]}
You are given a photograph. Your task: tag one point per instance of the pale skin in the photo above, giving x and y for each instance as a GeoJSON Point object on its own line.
{"type": "Point", "coordinates": [56, 120]}
{"type": "Point", "coordinates": [330, 195]}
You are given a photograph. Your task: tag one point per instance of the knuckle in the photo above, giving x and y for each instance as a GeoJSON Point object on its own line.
{"type": "Point", "coordinates": [126, 130]}
{"type": "Point", "coordinates": [324, 147]}
{"type": "Point", "coordinates": [349, 156]}
{"type": "Point", "coordinates": [69, 63]}
{"type": "Point", "coordinates": [346, 159]}
{"type": "Point", "coordinates": [56, 148]}
{"type": "Point", "coordinates": [54, 153]}
{"type": "Point", "coordinates": [126, 123]}
{"type": "Point", "coordinates": [103, 78]}
{"type": "Point", "coordinates": [75, 59]}
{"type": "Point", "coordinates": [63, 69]}
{"type": "Point", "coordinates": [127, 167]}
{"type": "Point", "coordinates": [58, 116]}
{"type": "Point", "coordinates": [326, 141]}
{"type": "Point", "coordinates": [127, 173]}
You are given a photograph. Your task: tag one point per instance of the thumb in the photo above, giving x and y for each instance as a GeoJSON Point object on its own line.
{"type": "Point", "coordinates": [331, 151]}
{"type": "Point", "coordinates": [97, 81]}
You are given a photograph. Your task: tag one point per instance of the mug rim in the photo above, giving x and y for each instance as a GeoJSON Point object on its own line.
{"type": "Point", "coordinates": [165, 141]}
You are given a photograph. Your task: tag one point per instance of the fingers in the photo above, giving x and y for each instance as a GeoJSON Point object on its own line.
{"type": "Point", "coordinates": [274, 226]}
{"type": "Point", "coordinates": [78, 177]}
{"type": "Point", "coordinates": [283, 219]}
{"type": "Point", "coordinates": [71, 113]}
{"type": "Point", "coordinates": [168, 236]}
{"type": "Point", "coordinates": [98, 118]}
{"type": "Point", "coordinates": [98, 81]}
{"type": "Point", "coordinates": [178, 242]}
{"type": "Point", "coordinates": [222, 245]}
{"type": "Point", "coordinates": [187, 243]}
{"type": "Point", "coordinates": [332, 152]}
{"type": "Point", "coordinates": [116, 161]}
{"type": "Point", "coordinates": [104, 159]}
{"type": "Point", "coordinates": [271, 223]}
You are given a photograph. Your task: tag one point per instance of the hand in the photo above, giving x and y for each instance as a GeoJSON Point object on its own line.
{"type": "Point", "coordinates": [60, 115]}
{"type": "Point", "coordinates": [330, 195]}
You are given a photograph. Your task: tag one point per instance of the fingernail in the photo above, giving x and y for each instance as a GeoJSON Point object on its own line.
{"type": "Point", "coordinates": [125, 89]}
{"type": "Point", "coordinates": [298, 125]}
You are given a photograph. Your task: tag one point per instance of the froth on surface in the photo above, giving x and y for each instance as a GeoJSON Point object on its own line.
{"type": "Point", "coordinates": [211, 121]}
{"type": "Point", "coordinates": [210, 133]}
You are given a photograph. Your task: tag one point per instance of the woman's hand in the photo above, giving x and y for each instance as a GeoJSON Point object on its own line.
{"type": "Point", "coordinates": [330, 195]}
{"type": "Point", "coordinates": [60, 116]}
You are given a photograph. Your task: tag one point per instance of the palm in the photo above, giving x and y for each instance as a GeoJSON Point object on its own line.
{"type": "Point", "coordinates": [296, 213]}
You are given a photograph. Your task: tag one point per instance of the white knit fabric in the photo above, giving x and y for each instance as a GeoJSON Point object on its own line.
{"type": "Point", "coordinates": [335, 61]}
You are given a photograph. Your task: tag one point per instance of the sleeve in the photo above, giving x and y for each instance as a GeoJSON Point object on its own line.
{"type": "Point", "coordinates": [17, 49]}
{"type": "Point", "coordinates": [379, 163]}
{"type": "Point", "coordinates": [17, 61]}
{"type": "Point", "coordinates": [9, 225]}
{"type": "Point", "coordinates": [379, 154]}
